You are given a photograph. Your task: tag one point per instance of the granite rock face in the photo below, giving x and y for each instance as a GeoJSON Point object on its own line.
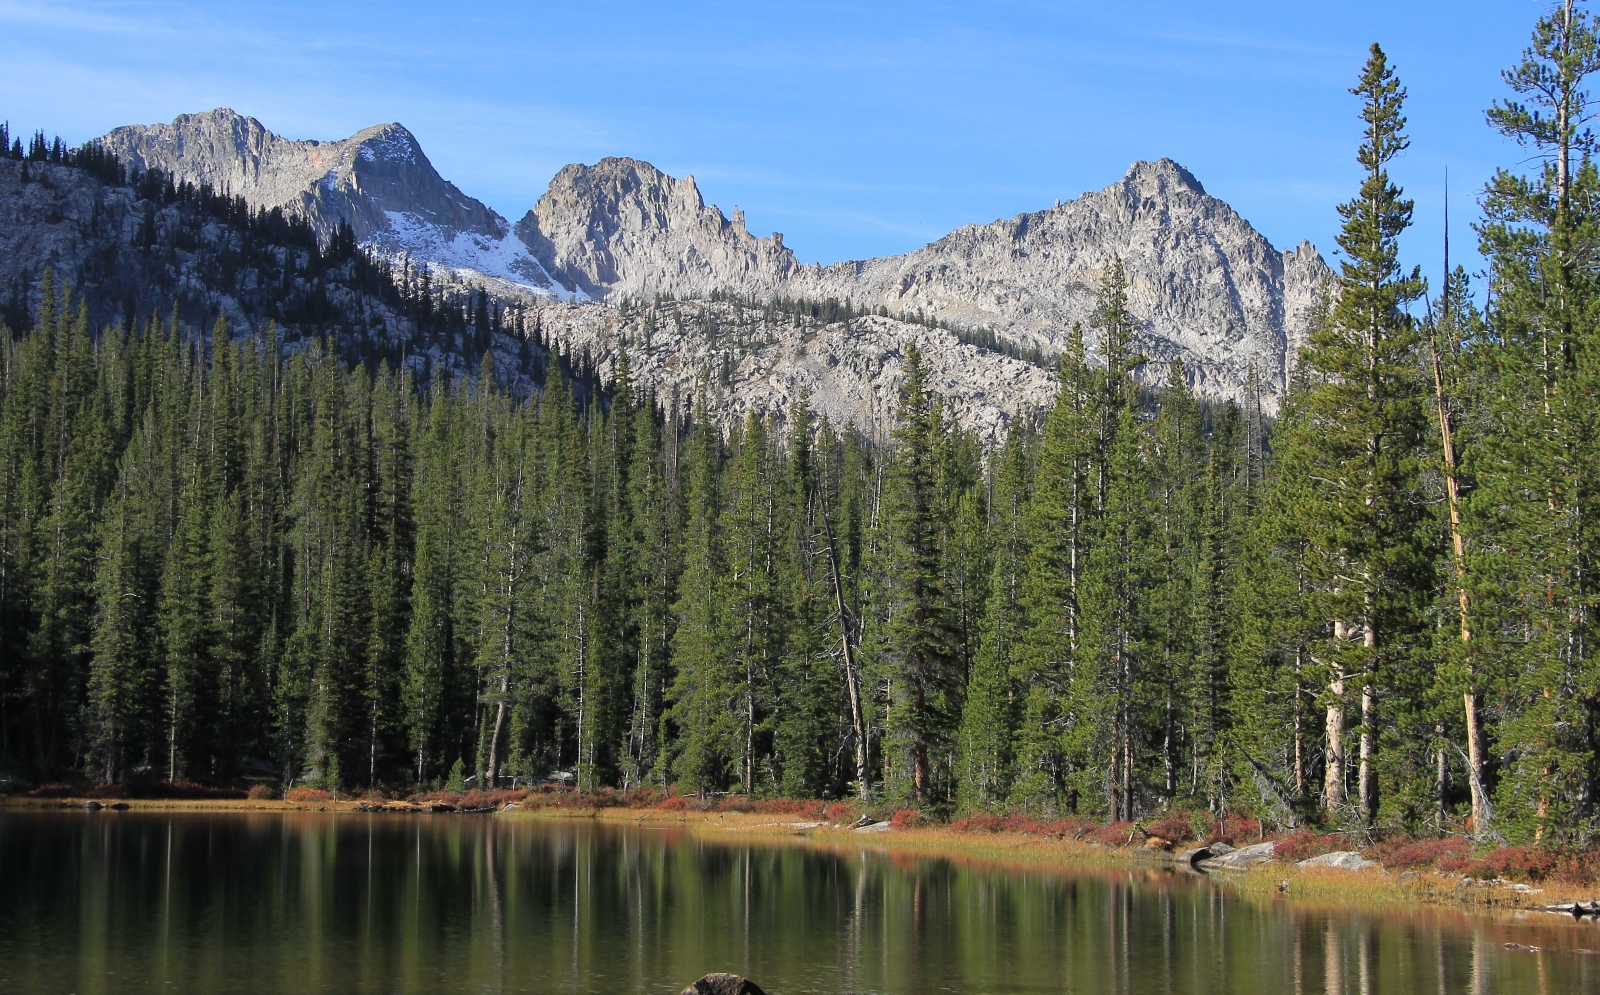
{"type": "Point", "coordinates": [1206, 286]}
{"type": "Point", "coordinates": [1225, 858]}
{"type": "Point", "coordinates": [624, 227]}
{"type": "Point", "coordinates": [378, 180]}
{"type": "Point", "coordinates": [747, 361]}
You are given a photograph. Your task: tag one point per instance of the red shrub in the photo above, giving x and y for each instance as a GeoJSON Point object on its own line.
{"type": "Point", "coordinates": [261, 792]}
{"type": "Point", "coordinates": [1174, 827]}
{"type": "Point", "coordinates": [305, 794]}
{"type": "Point", "coordinates": [1234, 827]}
{"type": "Point", "coordinates": [1116, 834]}
{"type": "Point", "coordinates": [677, 803]}
{"type": "Point", "coordinates": [906, 818]}
{"type": "Point", "coordinates": [1521, 863]}
{"type": "Point", "coordinates": [1427, 853]}
{"type": "Point", "coordinates": [841, 812]}
{"type": "Point", "coordinates": [52, 791]}
{"type": "Point", "coordinates": [646, 798]}
{"type": "Point", "coordinates": [1306, 844]}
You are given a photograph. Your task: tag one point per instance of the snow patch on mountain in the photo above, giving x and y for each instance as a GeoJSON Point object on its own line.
{"type": "Point", "coordinates": [465, 252]}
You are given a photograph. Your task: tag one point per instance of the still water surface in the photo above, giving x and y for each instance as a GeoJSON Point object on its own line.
{"type": "Point", "coordinates": [317, 902]}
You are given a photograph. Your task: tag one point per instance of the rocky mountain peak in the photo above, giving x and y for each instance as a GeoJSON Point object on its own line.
{"type": "Point", "coordinates": [1163, 176]}
{"type": "Point", "coordinates": [1204, 285]}
{"type": "Point", "coordinates": [378, 180]}
{"type": "Point", "coordinates": [624, 226]}
{"type": "Point", "coordinates": [391, 142]}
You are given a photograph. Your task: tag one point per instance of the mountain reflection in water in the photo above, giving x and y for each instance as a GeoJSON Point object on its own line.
{"type": "Point", "coordinates": [353, 903]}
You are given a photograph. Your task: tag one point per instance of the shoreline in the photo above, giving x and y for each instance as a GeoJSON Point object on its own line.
{"type": "Point", "coordinates": [1373, 888]}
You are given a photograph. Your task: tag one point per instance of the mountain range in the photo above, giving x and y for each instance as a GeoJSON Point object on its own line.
{"type": "Point", "coordinates": [613, 254]}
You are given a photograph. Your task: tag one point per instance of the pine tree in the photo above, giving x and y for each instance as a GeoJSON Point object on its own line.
{"type": "Point", "coordinates": [1177, 480]}
{"type": "Point", "coordinates": [1118, 661]}
{"type": "Point", "coordinates": [989, 714]}
{"type": "Point", "coordinates": [755, 630]}
{"type": "Point", "coordinates": [1362, 434]}
{"type": "Point", "coordinates": [120, 673]}
{"type": "Point", "coordinates": [705, 681]}
{"type": "Point", "coordinates": [919, 652]}
{"type": "Point", "coordinates": [1532, 532]}
{"type": "Point", "coordinates": [807, 690]}
{"type": "Point", "coordinates": [1056, 521]}
{"type": "Point", "coordinates": [1276, 612]}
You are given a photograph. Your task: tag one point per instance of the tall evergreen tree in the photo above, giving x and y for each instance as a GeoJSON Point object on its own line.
{"type": "Point", "coordinates": [1362, 433]}
{"type": "Point", "coordinates": [1530, 516]}
{"type": "Point", "coordinates": [989, 713]}
{"type": "Point", "coordinates": [920, 664]}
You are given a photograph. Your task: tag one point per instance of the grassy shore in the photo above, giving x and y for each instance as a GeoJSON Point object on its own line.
{"type": "Point", "coordinates": [1001, 848]}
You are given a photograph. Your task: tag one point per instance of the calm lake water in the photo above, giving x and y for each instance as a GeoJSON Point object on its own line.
{"type": "Point", "coordinates": [351, 903]}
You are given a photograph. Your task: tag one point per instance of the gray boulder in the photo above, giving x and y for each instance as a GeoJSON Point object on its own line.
{"type": "Point", "coordinates": [1343, 860]}
{"type": "Point", "coordinates": [1225, 858]}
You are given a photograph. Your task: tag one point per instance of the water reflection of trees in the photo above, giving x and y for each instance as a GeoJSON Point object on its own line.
{"type": "Point", "coordinates": [335, 902]}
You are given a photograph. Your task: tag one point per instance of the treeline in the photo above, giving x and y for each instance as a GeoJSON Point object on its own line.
{"type": "Point", "coordinates": [214, 560]}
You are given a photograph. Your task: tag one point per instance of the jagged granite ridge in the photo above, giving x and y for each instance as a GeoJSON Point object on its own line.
{"type": "Point", "coordinates": [1208, 287]}
{"type": "Point", "coordinates": [378, 180]}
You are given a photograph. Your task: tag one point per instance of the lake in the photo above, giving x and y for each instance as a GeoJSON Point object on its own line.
{"type": "Point", "coordinates": [357, 903]}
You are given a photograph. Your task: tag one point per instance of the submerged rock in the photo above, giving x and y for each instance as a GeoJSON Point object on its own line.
{"type": "Point", "coordinates": [723, 984]}
{"type": "Point", "coordinates": [1343, 860]}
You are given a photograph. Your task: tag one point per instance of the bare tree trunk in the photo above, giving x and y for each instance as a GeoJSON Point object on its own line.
{"type": "Point", "coordinates": [1441, 776]}
{"type": "Point", "coordinates": [1368, 788]}
{"type": "Point", "coordinates": [852, 682]}
{"type": "Point", "coordinates": [499, 728]}
{"type": "Point", "coordinates": [1333, 775]}
{"type": "Point", "coordinates": [1469, 696]}
{"type": "Point", "coordinates": [1299, 737]}
{"type": "Point", "coordinates": [1480, 801]}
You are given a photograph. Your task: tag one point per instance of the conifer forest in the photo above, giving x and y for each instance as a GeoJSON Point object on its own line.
{"type": "Point", "coordinates": [296, 557]}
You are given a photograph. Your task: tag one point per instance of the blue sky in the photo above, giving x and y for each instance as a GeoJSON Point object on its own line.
{"type": "Point", "coordinates": [855, 129]}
